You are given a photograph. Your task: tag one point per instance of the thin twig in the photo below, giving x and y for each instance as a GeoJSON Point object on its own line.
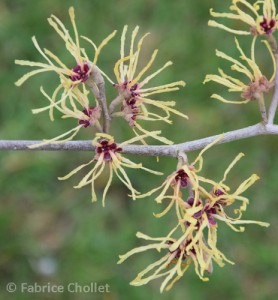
{"type": "Point", "coordinates": [117, 101]}
{"type": "Point", "coordinates": [274, 100]}
{"type": "Point", "coordinates": [100, 96]}
{"type": "Point", "coordinates": [172, 150]}
{"type": "Point", "coordinates": [262, 108]}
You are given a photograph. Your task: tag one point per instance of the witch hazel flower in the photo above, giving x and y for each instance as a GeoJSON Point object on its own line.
{"type": "Point", "coordinates": [175, 257]}
{"type": "Point", "coordinates": [213, 202]}
{"type": "Point", "coordinates": [261, 17]}
{"type": "Point", "coordinates": [108, 155]}
{"type": "Point", "coordinates": [200, 211]}
{"type": "Point", "coordinates": [78, 108]}
{"type": "Point", "coordinates": [191, 197]}
{"type": "Point", "coordinates": [69, 77]}
{"type": "Point", "coordinates": [171, 265]}
{"type": "Point", "coordinates": [257, 83]}
{"type": "Point", "coordinates": [184, 179]}
{"type": "Point", "coordinates": [221, 197]}
{"type": "Point", "coordinates": [131, 86]}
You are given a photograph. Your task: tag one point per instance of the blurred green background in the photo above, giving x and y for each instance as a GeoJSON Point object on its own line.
{"type": "Point", "coordinates": [51, 232]}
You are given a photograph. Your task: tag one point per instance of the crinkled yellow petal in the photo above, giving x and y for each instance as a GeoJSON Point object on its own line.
{"type": "Point", "coordinates": [148, 78]}
{"type": "Point", "coordinates": [55, 140]}
{"type": "Point", "coordinates": [102, 44]}
{"type": "Point", "coordinates": [120, 77]}
{"type": "Point", "coordinates": [134, 60]}
{"type": "Point", "coordinates": [214, 142]}
{"type": "Point", "coordinates": [263, 224]}
{"type": "Point", "coordinates": [154, 135]}
{"type": "Point", "coordinates": [218, 25]}
{"type": "Point", "coordinates": [134, 251]}
{"type": "Point", "coordinates": [164, 212]}
{"type": "Point", "coordinates": [21, 80]}
{"type": "Point", "coordinates": [107, 185]}
{"type": "Point", "coordinates": [75, 170]}
{"type": "Point", "coordinates": [131, 53]}
{"type": "Point", "coordinates": [96, 169]}
{"type": "Point", "coordinates": [231, 165]}
{"type": "Point", "coordinates": [164, 86]}
{"type": "Point", "coordinates": [171, 274]}
{"type": "Point", "coordinates": [220, 98]}
{"type": "Point", "coordinates": [145, 69]}
{"type": "Point", "coordinates": [224, 81]}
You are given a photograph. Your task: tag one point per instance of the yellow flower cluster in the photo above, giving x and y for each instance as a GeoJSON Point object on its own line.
{"type": "Point", "coordinates": [262, 21]}
{"type": "Point", "coordinates": [261, 17]}
{"type": "Point", "coordinates": [133, 95]}
{"type": "Point", "coordinates": [71, 95]}
{"type": "Point", "coordinates": [107, 153]}
{"type": "Point", "coordinates": [200, 204]}
{"type": "Point", "coordinates": [257, 84]}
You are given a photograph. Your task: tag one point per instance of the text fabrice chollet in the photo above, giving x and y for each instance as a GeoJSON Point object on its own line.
{"type": "Point", "coordinates": [72, 287]}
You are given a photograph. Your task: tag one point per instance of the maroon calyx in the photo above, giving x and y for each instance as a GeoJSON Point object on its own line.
{"type": "Point", "coordinates": [105, 146]}
{"type": "Point", "coordinates": [179, 249]}
{"type": "Point", "coordinates": [133, 90]}
{"type": "Point", "coordinates": [182, 177]}
{"type": "Point", "coordinates": [176, 251]}
{"type": "Point", "coordinates": [93, 113]}
{"type": "Point", "coordinates": [268, 26]}
{"type": "Point", "coordinates": [198, 214]}
{"type": "Point", "coordinates": [210, 211]}
{"type": "Point", "coordinates": [127, 92]}
{"type": "Point", "coordinates": [218, 192]}
{"type": "Point", "coordinates": [81, 72]}
{"type": "Point", "coordinates": [130, 111]}
{"type": "Point", "coordinates": [221, 201]}
{"type": "Point", "coordinates": [131, 103]}
{"type": "Point", "coordinates": [254, 89]}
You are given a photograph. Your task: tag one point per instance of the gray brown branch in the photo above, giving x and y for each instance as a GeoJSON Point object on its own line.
{"type": "Point", "coordinates": [99, 93]}
{"type": "Point", "coordinates": [274, 100]}
{"type": "Point", "coordinates": [172, 150]}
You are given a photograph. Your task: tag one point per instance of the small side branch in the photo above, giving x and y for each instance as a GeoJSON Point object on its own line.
{"type": "Point", "coordinates": [262, 109]}
{"type": "Point", "coordinates": [274, 100]}
{"type": "Point", "coordinates": [172, 150]}
{"type": "Point", "coordinates": [99, 93]}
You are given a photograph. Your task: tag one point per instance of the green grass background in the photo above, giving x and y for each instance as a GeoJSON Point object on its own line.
{"type": "Point", "coordinates": [42, 218]}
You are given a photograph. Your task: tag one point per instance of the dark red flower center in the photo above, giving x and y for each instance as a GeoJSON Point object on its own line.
{"type": "Point", "coordinates": [133, 90]}
{"type": "Point", "coordinates": [268, 26]}
{"type": "Point", "coordinates": [129, 92]}
{"type": "Point", "coordinates": [88, 112]}
{"type": "Point", "coordinates": [178, 250]}
{"type": "Point", "coordinates": [182, 177]}
{"type": "Point", "coordinates": [81, 72]}
{"type": "Point", "coordinates": [106, 146]}
{"type": "Point", "coordinates": [218, 192]}
{"type": "Point", "coordinates": [209, 212]}
{"type": "Point", "coordinates": [131, 103]}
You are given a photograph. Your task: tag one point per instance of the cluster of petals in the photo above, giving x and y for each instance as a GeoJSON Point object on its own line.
{"type": "Point", "coordinates": [70, 77]}
{"type": "Point", "coordinates": [200, 205]}
{"type": "Point", "coordinates": [256, 84]}
{"type": "Point", "coordinates": [108, 154]}
{"type": "Point", "coordinates": [70, 97]}
{"type": "Point", "coordinates": [131, 85]}
{"type": "Point", "coordinates": [261, 17]}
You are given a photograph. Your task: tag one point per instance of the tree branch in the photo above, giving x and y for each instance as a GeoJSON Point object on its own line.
{"type": "Point", "coordinates": [172, 150]}
{"type": "Point", "coordinates": [99, 93]}
{"type": "Point", "coordinates": [274, 100]}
